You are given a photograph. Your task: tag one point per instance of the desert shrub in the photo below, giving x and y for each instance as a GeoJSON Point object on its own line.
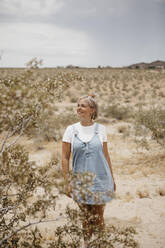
{"type": "Point", "coordinates": [53, 127]}
{"type": "Point", "coordinates": [73, 99]}
{"type": "Point", "coordinates": [34, 63]}
{"type": "Point", "coordinates": [154, 120]}
{"type": "Point", "coordinates": [26, 193]}
{"type": "Point", "coordinates": [71, 234]}
{"type": "Point", "coordinates": [26, 97]}
{"type": "Point", "coordinates": [124, 129]}
{"type": "Point", "coordinates": [162, 94]}
{"type": "Point", "coordinates": [118, 112]}
{"type": "Point", "coordinates": [20, 99]}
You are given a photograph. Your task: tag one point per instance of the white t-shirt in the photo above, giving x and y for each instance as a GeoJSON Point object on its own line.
{"type": "Point", "coordinates": [85, 133]}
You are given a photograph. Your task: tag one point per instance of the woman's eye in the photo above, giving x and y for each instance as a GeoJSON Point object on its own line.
{"type": "Point", "coordinates": [82, 106]}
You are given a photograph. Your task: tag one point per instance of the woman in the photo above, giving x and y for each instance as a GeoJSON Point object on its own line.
{"type": "Point", "coordinates": [88, 143]}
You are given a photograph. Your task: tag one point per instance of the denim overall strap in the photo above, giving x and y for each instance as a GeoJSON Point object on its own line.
{"type": "Point", "coordinates": [96, 128]}
{"type": "Point", "coordinates": [75, 132]}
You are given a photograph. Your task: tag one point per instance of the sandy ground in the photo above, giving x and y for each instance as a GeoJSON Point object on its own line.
{"type": "Point", "coordinates": [140, 195]}
{"type": "Point", "coordinates": [146, 214]}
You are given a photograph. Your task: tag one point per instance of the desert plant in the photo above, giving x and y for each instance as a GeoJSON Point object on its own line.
{"type": "Point", "coordinates": [25, 194]}
{"type": "Point", "coordinates": [26, 191]}
{"type": "Point", "coordinates": [117, 112]}
{"type": "Point", "coordinates": [34, 63]}
{"type": "Point", "coordinates": [154, 120]}
{"type": "Point", "coordinates": [24, 97]}
{"type": "Point", "coordinates": [71, 234]}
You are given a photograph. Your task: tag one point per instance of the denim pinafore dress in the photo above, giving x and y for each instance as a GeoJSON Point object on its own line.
{"type": "Point", "coordinates": [88, 158]}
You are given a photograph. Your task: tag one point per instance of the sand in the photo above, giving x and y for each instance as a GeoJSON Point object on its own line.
{"type": "Point", "coordinates": [140, 198]}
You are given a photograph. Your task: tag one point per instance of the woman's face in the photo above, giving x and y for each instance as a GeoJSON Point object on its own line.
{"type": "Point", "coordinates": [83, 109]}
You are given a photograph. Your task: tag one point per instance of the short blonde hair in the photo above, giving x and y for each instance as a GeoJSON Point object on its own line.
{"type": "Point", "coordinates": [92, 104]}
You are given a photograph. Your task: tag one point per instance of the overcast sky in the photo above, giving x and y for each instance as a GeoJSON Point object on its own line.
{"type": "Point", "coordinates": [81, 32]}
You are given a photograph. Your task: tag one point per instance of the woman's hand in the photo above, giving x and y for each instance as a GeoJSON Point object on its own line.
{"type": "Point", "coordinates": [114, 185]}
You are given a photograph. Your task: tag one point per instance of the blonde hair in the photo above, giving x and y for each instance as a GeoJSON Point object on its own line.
{"type": "Point", "coordinates": [91, 99]}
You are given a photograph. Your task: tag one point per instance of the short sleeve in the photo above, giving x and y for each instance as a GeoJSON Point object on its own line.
{"type": "Point", "coordinates": [67, 137]}
{"type": "Point", "coordinates": [103, 133]}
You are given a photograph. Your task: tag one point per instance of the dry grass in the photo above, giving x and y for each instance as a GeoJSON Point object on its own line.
{"type": "Point", "coordinates": [141, 165]}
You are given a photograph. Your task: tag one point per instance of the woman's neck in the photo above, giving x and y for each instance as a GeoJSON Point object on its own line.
{"type": "Point", "coordinates": [86, 122]}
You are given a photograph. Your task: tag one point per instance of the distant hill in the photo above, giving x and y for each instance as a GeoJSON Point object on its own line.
{"type": "Point", "coordinates": [158, 64]}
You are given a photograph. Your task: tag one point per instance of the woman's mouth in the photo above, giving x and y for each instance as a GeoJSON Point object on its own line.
{"type": "Point", "coordinates": [79, 112]}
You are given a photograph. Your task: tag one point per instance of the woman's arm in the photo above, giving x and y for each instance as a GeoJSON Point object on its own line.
{"type": "Point", "coordinates": [66, 151]}
{"type": "Point", "coordinates": [106, 154]}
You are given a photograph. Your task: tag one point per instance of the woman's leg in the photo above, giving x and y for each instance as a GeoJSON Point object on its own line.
{"type": "Point", "coordinates": [98, 214]}
{"type": "Point", "coordinates": [93, 218]}
{"type": "Point", "coordinates": [86, 220]}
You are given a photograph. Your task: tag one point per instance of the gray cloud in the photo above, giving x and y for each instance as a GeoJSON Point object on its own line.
{"type": "Point", "coordinates": [115, 32]}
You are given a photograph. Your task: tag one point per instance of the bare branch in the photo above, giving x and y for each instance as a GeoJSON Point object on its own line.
{"type": "Point", "coordinates": [24, 126]}
{"type": "Point", "coordinates": [14, 131]}
{"type": "Point", "coordinates": [26, 226]}
{"type": "Point", "coordinates": [5, 140]}
{"type": "Point", "coordinates": [7, 209]}
{"type": "Point", "coordinates": [4, 196]}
